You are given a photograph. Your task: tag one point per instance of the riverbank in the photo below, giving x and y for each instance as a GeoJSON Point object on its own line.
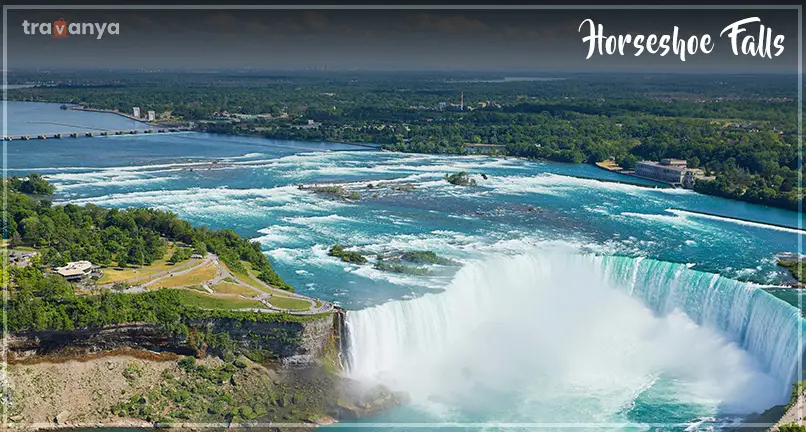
{"type": "Point", "coordinates": [116, 112]}
{"type": "Point", "coordinates": [611, 166]}
{"type": "Point", "coordinates": [795, 230]}
{"type": "Point", "coordinates": [701, 190]}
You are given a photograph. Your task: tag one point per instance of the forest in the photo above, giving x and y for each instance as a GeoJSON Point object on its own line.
{"type": "Point", "coordinates": [135, 236]}
{"type": "Point", "coordinates": [742, 129]}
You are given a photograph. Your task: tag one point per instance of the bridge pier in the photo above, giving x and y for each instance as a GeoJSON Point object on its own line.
{"type": "Point", "coordinates": [42, 137]}
{"type": "Point", "coordinates": [58, 136]}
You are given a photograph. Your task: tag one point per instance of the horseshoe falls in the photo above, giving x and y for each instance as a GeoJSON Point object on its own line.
{"type": "Point", "coordinates": [575, 300]}
{"type": "Point", "coordinates": [552, 336]}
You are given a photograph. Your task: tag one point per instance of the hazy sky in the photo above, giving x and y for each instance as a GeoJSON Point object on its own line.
{"type": "Point", "coordinates": [539, 40]}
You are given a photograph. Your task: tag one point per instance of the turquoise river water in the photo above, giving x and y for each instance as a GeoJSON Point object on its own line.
{"type": "Point", "coordinates": [577, 301]}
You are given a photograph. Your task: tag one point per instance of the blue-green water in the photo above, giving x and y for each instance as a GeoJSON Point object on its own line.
{"type": "Point", "coordinates": [578, 300]}
{"type": "Point", "coordinates": [32, 118]}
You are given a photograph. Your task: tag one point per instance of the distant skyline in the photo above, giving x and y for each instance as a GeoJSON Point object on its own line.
{"type": "Point", "coordinates": [386, 40]}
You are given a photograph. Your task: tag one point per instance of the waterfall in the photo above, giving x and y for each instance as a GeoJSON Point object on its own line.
{"type": "Point", "coordinates": [585, 305]}
{"type": "Point", "coordinates": [761, 323]}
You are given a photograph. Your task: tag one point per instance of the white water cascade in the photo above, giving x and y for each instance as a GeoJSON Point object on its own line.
{"type": "Point", "coordinates": [562, 336]}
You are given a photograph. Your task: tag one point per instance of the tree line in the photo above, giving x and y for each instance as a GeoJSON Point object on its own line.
{"type": "Point", "coordinates": [741, 128]}
{"type": "Point", "coordinates": [135, 236]}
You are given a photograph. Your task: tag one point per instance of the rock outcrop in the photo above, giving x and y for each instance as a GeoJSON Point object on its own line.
{"type": "Point", "coordinates": [293, 343]}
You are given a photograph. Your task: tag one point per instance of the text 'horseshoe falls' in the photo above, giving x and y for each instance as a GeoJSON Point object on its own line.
{"type": "Point", "coordinates": [622, 337]}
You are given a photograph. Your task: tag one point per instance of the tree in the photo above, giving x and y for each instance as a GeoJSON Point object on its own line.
{"type": "Point", "coordinates": [54, 287]}
{"type": "Point", "coordinates": [180, 254]}
{"type": "Point", "coordinates": [32, 230]}
{"type": "Point", "coordinates": [627, 161]}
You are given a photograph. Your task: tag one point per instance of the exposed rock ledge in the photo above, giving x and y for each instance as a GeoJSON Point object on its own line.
{"type": "Point", "coordinates": [795, 414]}
{"type": "Point", "coordinates": [290, 342]}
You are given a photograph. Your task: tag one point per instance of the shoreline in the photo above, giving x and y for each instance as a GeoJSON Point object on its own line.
{"type": "Point", "coordinates": [714, 215]}
{"type": "Point", "coordinates": [636, 184]}
{"type": "Point", "coordinates": [122, 114]}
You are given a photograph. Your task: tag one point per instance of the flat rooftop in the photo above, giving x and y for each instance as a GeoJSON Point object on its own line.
{"type": "Point", "coordinates": [660, 165]}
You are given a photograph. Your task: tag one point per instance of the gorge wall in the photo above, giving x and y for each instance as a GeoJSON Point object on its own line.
{"type": "Point", "coordinates": [302, 342]}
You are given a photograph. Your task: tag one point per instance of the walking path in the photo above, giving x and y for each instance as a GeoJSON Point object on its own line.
{"type": "Point", "coordinates": [177, 269]}
{"type": "Point", "coordinates": [224, 275]}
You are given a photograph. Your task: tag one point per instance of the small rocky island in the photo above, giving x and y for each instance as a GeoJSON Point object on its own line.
{"type": "Point", "coordinates": [796, 264]}
{"type": "Point", "coordinates": [395, 261]}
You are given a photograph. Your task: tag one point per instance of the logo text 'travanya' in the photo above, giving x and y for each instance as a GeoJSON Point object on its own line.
{"type": "Point", "coordinates": [62, 29]}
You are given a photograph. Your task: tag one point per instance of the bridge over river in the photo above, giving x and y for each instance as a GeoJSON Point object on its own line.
{"type": "Point", "coordinates": [94, 132]}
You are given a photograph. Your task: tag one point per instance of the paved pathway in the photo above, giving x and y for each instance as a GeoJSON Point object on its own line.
{"type": "Point", "coordinates": [223, 273]}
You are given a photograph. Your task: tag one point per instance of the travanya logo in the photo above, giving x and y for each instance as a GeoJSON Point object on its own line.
{"type": "Point", "coordinates": [61, 28]}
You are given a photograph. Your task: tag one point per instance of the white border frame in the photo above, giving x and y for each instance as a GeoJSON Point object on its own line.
{"type": "Point", "coordinates": [4, 353]}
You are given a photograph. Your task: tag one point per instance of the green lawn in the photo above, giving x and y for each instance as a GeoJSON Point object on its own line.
{"type": "Point", "coordinates": [250, 277]}
{"type": "Point", "coordinates": [193, 277]}
{"type": "Point", "coordinates": [288, 303]}
{"type": "Point", "coordinates": [233, 288]}
{"type": "Point", "coordinates": [25, 249]}
{"type": "Point", "coordinates": [207, 301]}
{"type": "Point", "coordinates": [111, 275]}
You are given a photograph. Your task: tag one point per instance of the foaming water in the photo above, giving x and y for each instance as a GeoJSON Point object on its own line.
{"type": "Point", "coordinates": [562, 337]}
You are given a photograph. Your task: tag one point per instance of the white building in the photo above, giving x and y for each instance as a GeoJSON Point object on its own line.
{"type": "Point", "coordinates": [74, 270]}
{"type": "Point", "coordinates": [151, 116]}
{"type": "Point", "coordinates": [667, 170]}
{"type": "Point", "coordinates": [136, 112]}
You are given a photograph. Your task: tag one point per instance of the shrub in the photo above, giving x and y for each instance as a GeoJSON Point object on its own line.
{"type": "Point", "coordinates": [402, 269]}
{"type": "Point", "coordinates": [460, 179]}
{"type": "Point", "coordinates": [132, 372]}
{"type": "Point", "coordinates": [426, 257]}
{"type": "Point", "coordinates": [188, 363]}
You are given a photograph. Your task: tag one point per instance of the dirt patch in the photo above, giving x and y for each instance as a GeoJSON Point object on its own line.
{"type": "Point", "coordinates": [61, 358]}
{"type": "Point", "coordinates": [81, 392]}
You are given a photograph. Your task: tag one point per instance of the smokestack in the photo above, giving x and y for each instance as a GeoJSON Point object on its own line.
{"type": "Point", "coordinates": [462, 102]}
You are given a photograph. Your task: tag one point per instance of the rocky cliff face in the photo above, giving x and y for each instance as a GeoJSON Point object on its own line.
{"type": "Point", "coordinates": [28, 344]}
{"type": "Point", "coordinates": [101, 377]}
{"type": "Point", "coordinates": [293, 343]}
